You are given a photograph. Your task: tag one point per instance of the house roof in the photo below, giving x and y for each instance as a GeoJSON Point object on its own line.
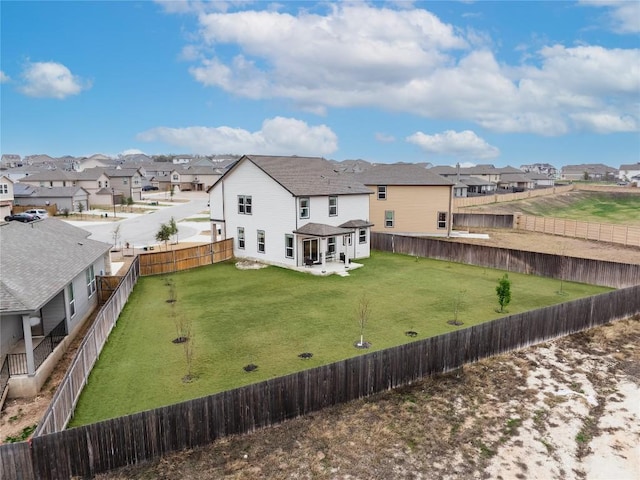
{"type": "Point", "coordinates": [46, 192]}
{"type": "Point", "coordinates": [400, 174]}
{"type": "Point", "coordinates": [322, 230]}
{"type": "Point", "coordinates": [356, 224]}
{"type": "Point", "coordinates": [303, 176]}
{"type": "Point", "coordinates": [630, 166]}
{"type": "Point", "coordinates": [475, 181]}
{"type": "Point", "coordinates": [39, 258]}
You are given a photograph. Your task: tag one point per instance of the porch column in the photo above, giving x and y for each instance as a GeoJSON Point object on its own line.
{"type": "Point", "coordinates": [28, 345]}
{"type": "Point", "coordinates": [346, 242]}
{"type": "Point", "coordinates": [323, 251]}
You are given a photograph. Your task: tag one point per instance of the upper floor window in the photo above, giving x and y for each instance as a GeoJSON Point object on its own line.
{"type": "Point", "coordinates": [175, 177]}
{"type": "Point", "coordinates": [389, 218]}
{"type": "Point", "coordinates": [244, 204]}
{"type": "Point", "coordinates": [241, 237]}
{"type": "Point", "coordinates": [99, 184]}
{"type": "Point", "coordinates": [382, 192]}
{"type": "Point", "coordinates": [125, 181]}
{"type": "Point", "coordinates": [288, 246]}
{"type": "Point", "coordinates": [362, 235]}
{"type": "Point", "coordinates": [261, 241]}
{"type": "Point", "coordinates": [304, 207]}
{"type": "Point", "coordinates": [442, 219]}
{"type": "Point", "coordinates": [106, 184]}
{"type": "Point", "coordinates": [4, 188]}
{"type": "Point", "coordinates": [333, 206]}
{"type": "Point", "coordinates": [91, 281]}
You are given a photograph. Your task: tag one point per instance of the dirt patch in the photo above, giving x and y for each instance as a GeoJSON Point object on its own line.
{"type": "Point", "coordinates": [563, 409]}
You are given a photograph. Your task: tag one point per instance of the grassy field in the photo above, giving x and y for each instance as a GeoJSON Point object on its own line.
{"type": "Point", "coordinates": [268, 317]}
{"type": "Point", "coordinates": [619, 208]}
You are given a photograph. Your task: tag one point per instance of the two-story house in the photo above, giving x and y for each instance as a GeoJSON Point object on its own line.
{"type": "Point", "coordinates": [408, 199]}
{"type": "Point", "coordinates": [126, 182]}
{"type": "Point", "coordinates": [6, 196]}
{"type": "Point", "coordinates": [291, 211]}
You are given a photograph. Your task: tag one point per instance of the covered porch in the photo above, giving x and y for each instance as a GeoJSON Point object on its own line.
{"type": "Point", "coordinates": [320, 245]}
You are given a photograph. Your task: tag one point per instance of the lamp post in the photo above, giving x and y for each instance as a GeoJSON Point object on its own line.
{"type": "Point", "coordinates": [113, 201]}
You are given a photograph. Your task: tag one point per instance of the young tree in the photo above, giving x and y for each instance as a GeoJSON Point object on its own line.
{"type": "Point", "coordinates": [174, 228]}
{"type": "Point", "coordinates": [458, 305]}
{"type": "Point", "coordinates": [115, 233]}
{"type": "Point", "coordinates": [80, 208]}
{"type": "Point", "coordinates": [503, 290]}
{"type": "Point", "coordinates": [364, 312]}
{"type": "Point", "coordinates": [188, 346]}
{"type": "Point", "coordinates": [164, 234]}
{"type": "Point", "coordinates": [130, 203]}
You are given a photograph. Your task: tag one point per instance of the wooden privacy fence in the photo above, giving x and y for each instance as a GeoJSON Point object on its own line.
{"type": "Point", "coordinates": [92, 449]}
{"type": "Point", "coordinates": [461, 202]}
{"type": "Point", "coordinates": [603, 232]}
{"type": "Point", "coordinates": [584, 270]}
{"type": "Point", "coordinates": [64, 400]}
{"type": "Point", "coordinates": [485, 220]}
{"type": "Point", "coordinates": [155, 263]}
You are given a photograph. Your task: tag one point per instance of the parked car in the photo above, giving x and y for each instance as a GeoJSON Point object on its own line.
{"type": "Point", "coordinates": [38, 212]}
{"type": "Point", "coordinates": [21, 217]}
{"type": "Point", "coordinates": [146, 188]}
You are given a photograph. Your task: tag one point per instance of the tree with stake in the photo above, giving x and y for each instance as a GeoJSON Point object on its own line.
{"type": "Point", "coordinates": [130, 203]}
{"type": "Point", "coordinates": [503, 290]}
{"type": "Point", "coordinates": [115, 233]}
{"type": "Point", "coordinates": [364, 312]}
{"type": "Point", "coordinates": [80, 208]}
{"type": "Point", "coordinates": [174, 228]}
{"type": "Point", "coordinates": [164, 234]}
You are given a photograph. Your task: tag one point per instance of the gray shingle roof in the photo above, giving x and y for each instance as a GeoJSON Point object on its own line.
{"type": "Point", "coordinates": [322, 230]}
{"type": "Point", "coordinates": [306, 176]}
{"type": "Point", "coordinates": [400, 174]}
{"type": "Point", "coordinates": [48, 192]}
{"type": "Point", "coordinates": [38, 259]}
{"type": "Point", "coordinates": [356, 224]}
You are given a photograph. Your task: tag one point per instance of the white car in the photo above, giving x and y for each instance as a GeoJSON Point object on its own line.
{"type": "Point", "coordinates": [38, 212]}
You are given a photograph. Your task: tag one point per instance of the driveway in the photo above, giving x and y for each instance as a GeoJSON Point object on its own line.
{"type": "Point", "coordinates": [140, 230]}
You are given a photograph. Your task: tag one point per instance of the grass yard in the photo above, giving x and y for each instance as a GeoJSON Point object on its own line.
{"type": "Point", "coordinates": [619, 208]}
{"type": "Point", "coordinates": [267, 317]}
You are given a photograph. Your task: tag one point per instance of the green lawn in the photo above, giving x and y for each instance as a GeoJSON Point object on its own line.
{"type": "Point", "coordinates": [269, 316]}
{"type": "Point", "coordinates": [593, 207]}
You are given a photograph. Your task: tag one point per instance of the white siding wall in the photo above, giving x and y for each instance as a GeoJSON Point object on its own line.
{"type": "Point", "coordinates": [84, 303]}
{"type": "Point", "coordinates": [10, 333]}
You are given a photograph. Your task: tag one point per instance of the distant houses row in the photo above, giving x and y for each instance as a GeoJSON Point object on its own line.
{"type": "Point", "coordinates": [73, 184]}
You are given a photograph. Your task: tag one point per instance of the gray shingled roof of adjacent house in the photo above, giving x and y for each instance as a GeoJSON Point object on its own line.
{"type": "Point", "coordinates": [304, 176]}
{"type": "Point", "coordinates": [400, 174]}
{"type": "Point", "coordinates": [49, 175]}
{"type": "Point", "coordinates": [475, 181]}
{"type": "Point", "coordinates": [39, 258]}
{"type": "Point", "coordinates": [322, 230]}
{"type": "Point", "coordinates": [356, 224]}
{"type": "Point", "coordinates": [514, 177]}
{"type": "Point", "coordinates": [53, 192]}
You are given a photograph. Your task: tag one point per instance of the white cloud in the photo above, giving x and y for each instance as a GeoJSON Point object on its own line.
{"type": "Point", "coordinates": [623, 15]}
{"type": "Point", "coordinates": [458, 144]}
{"type": "Point", "coordinates": [4, 77]}
{"type": "Point", "coordinates": [605, 122]}
{"type": "Point", "coordinates": [278, 136]}
{"type": "Point", "coordinates": [50, 79]}
{"type": "Point", "coordinates": [357, 55]}
{"type": "Point", "coordinates": [384, 138]}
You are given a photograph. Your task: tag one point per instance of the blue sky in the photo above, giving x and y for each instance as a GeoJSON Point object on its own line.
{"type": "Point", "coordinates": [507, 83]}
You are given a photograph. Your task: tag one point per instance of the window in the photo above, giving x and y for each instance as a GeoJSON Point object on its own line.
{"type": "Point", "coordinates": [442, 219]}
{"type": "Point", "coordinates": [304, 207]}
{"type": "Point", "coordinates": [333, 206]}
{"type": "Point", "coordinates": [91, 281]}
{"type": "Point", "coordinates": [288, 246]}
{"type": "Point", "coordinates": [244, 204]}
{"type": "Point", "coordinates": [64, 183]}
{"type": "Point", "coordinates": [106, 184]}
{"type": "Point", "coordinates": [388, 218]}
{"type": "Point", "coordinates": [125, 181]}
{"type": "Point", "coordinates": [362, 235]}
{"type": "Point", "coordinates": [72, 300]}
{"type": "Point", "coordinates": [175, 177]}
{"type": "Point", "coordinates": [241, 237]}
{"type": "Point", "coordinates": [346, 240]}
{"type": "Point", "coordinates": [4, 188]}
{"type": "Point", "coordinates": [331, 245]}
{"type": "Point", "coordinates": [382, 192]}
{"type": "Point", "coordinates": [99, 184]}
{"type": "Point", "coordinates": [261, 247]}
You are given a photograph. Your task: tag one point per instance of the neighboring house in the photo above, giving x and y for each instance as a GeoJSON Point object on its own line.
{"type": "Point", "coordinates": [588, 171]}
{"type": "Point", "coordinates": [541, 180]}
{"type": "Point", "coordinates": [478, 186]}
{"type": "Point", "coordinates": [6, 197]}
{"type": "Point", "coordinates": [10, 160]}
{"type": "Point", "coordinates": [126, 182]}
{"type": "Point", "coordinates": [629, 171]}
{"type": "Point", "coordinates": [93, 180]}
{"type": "Point", "coordinates": [64, 198]}
{"type": "Point", "coordinates": [545, 169]}
{"type": "Point", "coordinates": [194, 178]}
{"type": "Point", "coordinates": [515, 182]}
{"type": "Point", "coordinates": [94, 161]}
{"type": "Point", "coordinates": [47, 291]}
{"type": "Point", "coordinates": [460, 190]}
{"type": "Point", "coordinates": [408, 199]}
{"type": "Point", "coordinates": [291, 211]}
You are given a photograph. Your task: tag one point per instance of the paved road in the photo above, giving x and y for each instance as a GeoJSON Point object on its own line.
{"type": "Point", "coordinates": [141, 230]}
